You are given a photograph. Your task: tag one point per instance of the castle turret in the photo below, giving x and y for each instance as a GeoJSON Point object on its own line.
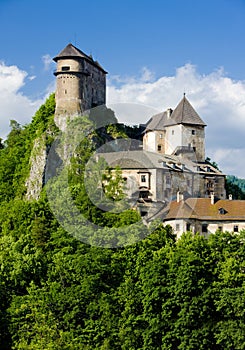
{"type": "Point", "coordinates": [80, 82]}
{"type": "Point", "coordinates": [178, 132]}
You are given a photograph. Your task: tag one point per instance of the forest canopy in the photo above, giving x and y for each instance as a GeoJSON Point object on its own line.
{"type": "Point", "coordinates": [58, 292]}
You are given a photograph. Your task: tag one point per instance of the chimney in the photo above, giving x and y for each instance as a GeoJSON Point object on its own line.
{"type": "Point", "coordinates": [169, 112]}
{"type": "Point", "coordinates": [230, 197]}
{"type": "Point", "coordinates": [212, 198]}
{"type": "Point", "coordinates": [180, 197]}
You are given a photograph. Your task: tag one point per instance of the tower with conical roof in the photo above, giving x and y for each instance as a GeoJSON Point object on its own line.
{"type": "Point", "coordinates": [80, 82]}
{"type": "Point", "coordinates": [177, 132]}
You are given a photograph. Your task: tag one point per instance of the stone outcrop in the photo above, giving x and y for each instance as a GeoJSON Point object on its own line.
{"type": "Point", "coordinates": [38, 159]}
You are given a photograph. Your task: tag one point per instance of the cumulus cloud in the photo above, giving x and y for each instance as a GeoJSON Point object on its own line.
{"type": "Point", "coordinates": [219, 100]}
{"type": "Point", "coordinates": [14, 105]}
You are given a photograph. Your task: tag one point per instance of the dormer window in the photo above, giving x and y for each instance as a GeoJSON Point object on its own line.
{"type": "Point", "coordinates": [65, 68]}
{"type": "Point", "coordinates": [222, 211]}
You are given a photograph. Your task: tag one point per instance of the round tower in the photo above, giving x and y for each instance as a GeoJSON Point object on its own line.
{"type": "Point", "coordinates": [80, 82]}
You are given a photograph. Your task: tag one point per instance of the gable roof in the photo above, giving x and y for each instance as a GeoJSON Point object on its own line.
{"type": "Point", "coordinates": [202, 209]}
{"type": "Point", "coordinates": [70, 51]}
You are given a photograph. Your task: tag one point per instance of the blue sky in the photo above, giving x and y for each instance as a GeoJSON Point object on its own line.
{"type": "Point", "coordinates": [153, 52]}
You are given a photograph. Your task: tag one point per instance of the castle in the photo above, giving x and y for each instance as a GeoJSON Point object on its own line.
{"type": "Point", "coordinates": [169, 174]}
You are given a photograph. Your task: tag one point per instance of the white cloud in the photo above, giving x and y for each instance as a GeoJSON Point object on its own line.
{"type": "Point", "coordinates": [219, 100]}
{"type": "Point", "coordinates": [47, 61]}
{"type": "Point", "coordinates": [32, 77]}
{"type": "Point", "coordinates": [14, 105]}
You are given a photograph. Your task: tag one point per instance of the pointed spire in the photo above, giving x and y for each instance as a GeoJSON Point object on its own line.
{"type": "Point", "coordinates": [184, 113]}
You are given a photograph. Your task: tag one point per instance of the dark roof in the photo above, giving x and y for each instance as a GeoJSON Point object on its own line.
{"type": "Point", "coordinates": [141, 159]}
{"type": "Point", "coordinates": [157, 122]}
{"type": "Point", "coordinates": [70, 51]}
{"type": "Point", "coordinates": [134, 159]}
{"type": "Point", "coordinates": [184, 113]}
{"type": "Point", "coordinates": [203, 209]}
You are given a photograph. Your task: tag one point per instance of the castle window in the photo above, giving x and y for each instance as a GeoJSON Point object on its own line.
{"type": "Point", "coordinates": [172, 132]}
{"type": "Point", "coordinates": [65, 91]}
{"type": "Point", "coordinates": [204, 228]}
{"type": "Point", "coordinates": [65, 68]}
{"type": "Point", "coordinates": [235, 228]}
{"type": "Point", "coordinates": [143, 178]}
{"type": "Point", "coordinates": [193, 132]}
{"type": "Point", "coordinates": [177, 227]}
{"type": "Point", "coordinates": [194, 149]}
{"type": "Point", "coordinates": [159, 147]}
{"type": "Point", "coordinates": [160, 136]}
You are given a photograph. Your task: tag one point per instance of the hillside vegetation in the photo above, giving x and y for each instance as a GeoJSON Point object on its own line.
{"type": "Point", "coordinates": [58, 292]}
{"type": "Point", "coordinates": [235, 186]}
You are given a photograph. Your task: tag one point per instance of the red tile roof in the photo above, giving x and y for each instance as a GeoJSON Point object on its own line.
{"type": "Point", "coordinates": [202, 209]}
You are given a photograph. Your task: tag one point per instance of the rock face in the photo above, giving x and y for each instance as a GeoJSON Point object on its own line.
{"type": "Point", "coordinates": [38, 159]}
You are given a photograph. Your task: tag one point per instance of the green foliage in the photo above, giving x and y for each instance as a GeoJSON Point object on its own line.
{"type": "Point", "coordinates": [235, 186]}
{"type": "Point", "coordinates": [16, 151]}
{"type": "Point", "coordinates": [58, 293]}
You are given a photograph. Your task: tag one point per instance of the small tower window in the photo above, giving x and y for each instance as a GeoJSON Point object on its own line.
{"type": "Point", "coordinates": [65, 68]}
{"type": "Point", "coordinates": [143, 178]}
{"type": "Point", "coordinates": [168, 180]}
{"type": "Point", "coordinates": [193, 132]}
{"type": "Point", "coordinates": [159, 147]}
